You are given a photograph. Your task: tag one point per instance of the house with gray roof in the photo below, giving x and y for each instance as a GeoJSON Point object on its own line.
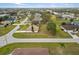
{"type": "Point", "coordinates": [6, 19]}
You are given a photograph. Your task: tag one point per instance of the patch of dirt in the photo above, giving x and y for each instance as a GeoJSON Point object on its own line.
{"type": "Point", "coordinates": [30, 51]}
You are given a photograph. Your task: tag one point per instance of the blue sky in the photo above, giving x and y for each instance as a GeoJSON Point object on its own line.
{"type": "Point", "coordinates": [39, 5]}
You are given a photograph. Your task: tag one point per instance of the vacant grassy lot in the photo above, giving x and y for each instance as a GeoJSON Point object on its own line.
{"type": "Point", "coordinates": [5, 30]}
{"type": "Point", "coordinates": [54, 48]}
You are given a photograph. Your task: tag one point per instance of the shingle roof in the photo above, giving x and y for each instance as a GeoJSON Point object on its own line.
{"type": "Point", "coordinates": [11, 19]}
{"type": "Point", "coordinates": [70, 26]}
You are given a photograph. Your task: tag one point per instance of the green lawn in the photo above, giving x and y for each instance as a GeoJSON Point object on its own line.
{"type": "Point", "coordinates": [54, 48]}
{"type": "Point", "coordinates": [5, 30]}
{"type": "Point", "coordinates": [23, 27]}
{"type": "Point", "coordinates": [67, 49]}
{"type": "Point", "coordinates": [43, 28]}
{"type": "Point", "coordinates": [62, 34]}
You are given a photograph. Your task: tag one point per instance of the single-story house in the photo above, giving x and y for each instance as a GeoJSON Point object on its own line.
{"type": "Point", "coordinates": [71, 27]}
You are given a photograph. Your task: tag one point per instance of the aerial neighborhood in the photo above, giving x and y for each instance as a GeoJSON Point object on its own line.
{"type": "Point", "coordinates": [56, 28]}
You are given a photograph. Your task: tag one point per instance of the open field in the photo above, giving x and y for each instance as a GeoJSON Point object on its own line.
{"type": "Point", "coordinates": [5, 30]}
{"type": "Point", "coordinates": [54, 48]}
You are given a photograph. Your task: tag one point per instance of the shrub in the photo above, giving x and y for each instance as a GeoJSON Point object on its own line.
{"type": "Point", "coordinates": [63, 23]}
{"type": "Point", "coordinates": [62, 45]}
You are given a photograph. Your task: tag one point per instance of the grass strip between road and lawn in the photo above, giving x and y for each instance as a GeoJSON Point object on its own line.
{"type": "Point", "coordinates": [29, 35]}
